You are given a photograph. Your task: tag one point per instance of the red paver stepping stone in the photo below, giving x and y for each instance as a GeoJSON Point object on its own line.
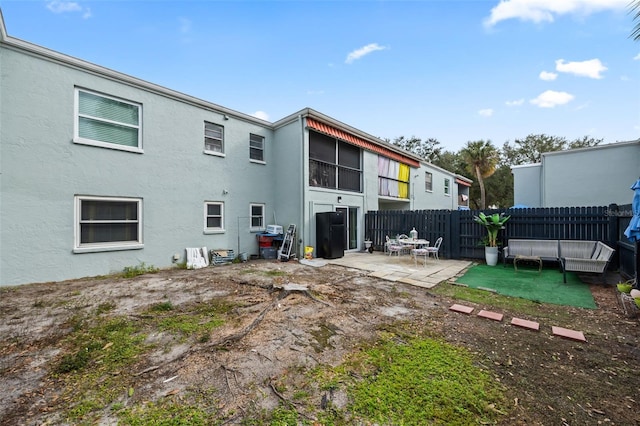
{"type": "Point", "coordinates": [569, 334]}
{"type": "Point", "coordinates": [491, 315]}
{"type": "Point", "coordinates": [525, 323]}
{"type": "Point", "coordinates": [461, 308]}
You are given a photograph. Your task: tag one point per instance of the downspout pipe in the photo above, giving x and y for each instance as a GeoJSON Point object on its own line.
{"type": "Point", "coordinates": [303, 188]}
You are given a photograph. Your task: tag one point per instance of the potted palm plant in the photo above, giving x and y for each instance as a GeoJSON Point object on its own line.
{"type": "Point", "coordinates": [493, 224]}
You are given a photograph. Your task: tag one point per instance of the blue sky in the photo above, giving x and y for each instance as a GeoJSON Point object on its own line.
{"type": "Point", "coordinates": [452, 70]}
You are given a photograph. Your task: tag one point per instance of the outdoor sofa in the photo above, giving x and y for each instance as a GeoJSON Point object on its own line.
{"type": "Point", "coordinates": [584, 256]}
{"type": "Point", "coordinates": [543, 249]}
{"type": "Point", "coordinates": [573, 255]}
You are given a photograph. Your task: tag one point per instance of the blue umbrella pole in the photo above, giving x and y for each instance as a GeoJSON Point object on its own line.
{"type": "Point", "coordinates": [637, 284]}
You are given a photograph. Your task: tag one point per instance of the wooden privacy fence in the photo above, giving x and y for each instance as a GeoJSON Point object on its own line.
{"type": "Point", "coordinates": [462, 236]}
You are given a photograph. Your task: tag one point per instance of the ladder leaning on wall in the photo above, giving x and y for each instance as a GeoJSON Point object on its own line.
{"type": "Point", "coordinates": [288, 243]}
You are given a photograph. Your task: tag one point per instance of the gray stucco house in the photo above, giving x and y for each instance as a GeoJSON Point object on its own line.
{"type": "Point", "coordinates": [101, 170]}
{"type": "Point", "coordinates": [595, 176]}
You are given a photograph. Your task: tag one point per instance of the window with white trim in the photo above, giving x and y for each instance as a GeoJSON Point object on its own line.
{"type": "Point", "coordinates": [107, 223]}
{"type": "Point", "coordinates": [428, 181]}
{"type": "Point", "coordinates": [107, 121]}
{"type": "Point", "coordinates": [447, 186]}
{"type": "Point", "coordinates": [213, 216]}
{"type": "Point", "coordinates": [256, 147]}
{"type": "Point", "coordinates": [256, 217]}
{"type": "Point", "coordinates": [213, 138]}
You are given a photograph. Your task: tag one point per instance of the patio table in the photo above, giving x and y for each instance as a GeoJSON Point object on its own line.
{"type": "Point", "coordinates": [524, 258]}
{"type": "Point", "coordinates": [411, 243]}
{"type": "Point", "coordinates": [414, 242]}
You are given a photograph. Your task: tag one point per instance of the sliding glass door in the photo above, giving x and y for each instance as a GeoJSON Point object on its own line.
{"type": "Point", "coordinates": [350, 227]}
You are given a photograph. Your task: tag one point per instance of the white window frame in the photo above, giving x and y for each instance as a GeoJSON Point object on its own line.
{"type": "Point", "coordinates": [105, 246]}
{"type": "Point", "coordinates": [213, 230]}
{"type": "Point", "coordinates": [447, 187]}
{"type": "Point", "coordinates": [261, 147]}
{"type": "Point", "coordinates": [428, 183]}
{"type": "Point", "coordinates": [220, 153]}
{"type": "Point", "coordinates": [262, 216]}
{"type": "Point", "coordinates": [84, 141]}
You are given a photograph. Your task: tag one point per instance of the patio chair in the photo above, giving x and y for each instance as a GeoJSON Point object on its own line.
{"type": "Point", "coordinates": [419, 252]}
{"type": "Point", "coordinates": [434, 249]}
{"type": "Point", "coordinates": [392, 246]}
{"type": "Point", "coordinates": [406, 248]}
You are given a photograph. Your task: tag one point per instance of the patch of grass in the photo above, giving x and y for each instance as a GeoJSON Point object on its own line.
{"type": "Point", "coordinates": [96, 355]}
{"type": "Point", "coordinates": [162, 307]}
{"type": "Point", "coordinates": [191, 320]}
{"type": "Point", "coordinates": [279, 416]}
{"type": "Point", "coordinates": [495, 300]}
{"type": "Point", "coordinates": [99, 352]}
{"type": "Point", "coordinates": [416, 381]}
{"type": "Point", "coordinates": [169, 413]}
{"type": "Point", "coordinates": [141, 269]}
{"type": "Point", "coordinates": [105, 307]}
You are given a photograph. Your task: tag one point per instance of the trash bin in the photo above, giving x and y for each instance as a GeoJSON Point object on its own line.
{"type": "Point", "coordinates": [308, 252]}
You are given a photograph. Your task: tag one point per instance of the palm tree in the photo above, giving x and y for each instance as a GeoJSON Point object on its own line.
{"type": "Point", "coordinates": [634, 8]}
{"type": "Point", "coordinates": [481, 159]}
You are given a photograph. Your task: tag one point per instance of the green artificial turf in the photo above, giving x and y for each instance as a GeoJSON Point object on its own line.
{"type": "Point", "coordinates": [528, 283]}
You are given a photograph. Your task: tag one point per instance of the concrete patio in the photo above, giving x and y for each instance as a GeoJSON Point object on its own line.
{"type": "Point", "coordinates": [402, 269]}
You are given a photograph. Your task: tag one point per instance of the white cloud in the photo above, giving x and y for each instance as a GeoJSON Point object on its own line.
{"type": "Point", "coordinates": [63, 6]}
{"type": "Point", "coordinates": [315, 92]}
{"type": "Point", "coordinates": [363, 51]}
{"type": "Point", "coordinates": [551, 98]}
{"type": "Point", "coordinates": [517, 102]}
{"type": "Point", "coordinates": [591, 68]}
{"type": "Point", "coordinates": [548, 76]}
{"type": "Point", "coordinates": [58, 6]}
{"type": "Point", "coordinates": [185, 25]}
{"type": "Point", "coordinates": [487, 112]}
{"type": "Point", "coordinates": [261, 115]}
{"type": "Point", "coordinates": [637, 57]}
{"type": "Point", "coordinates": [546, 10]}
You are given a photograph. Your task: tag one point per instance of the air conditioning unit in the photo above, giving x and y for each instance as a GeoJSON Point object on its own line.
{"type": "Point", "coordinates": [274, 229]}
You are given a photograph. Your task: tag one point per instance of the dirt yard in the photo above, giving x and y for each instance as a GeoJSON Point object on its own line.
{"type": "Point", "coordinates": [276, 331]}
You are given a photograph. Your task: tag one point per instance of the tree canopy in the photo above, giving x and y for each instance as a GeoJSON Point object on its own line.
{"type": "Point", "coordinates": [428, 149]}
{"type": "Point", "coordinates": [530, 149]}
{"type": "Point", "coordinates": [481, 159]}
{"type": "Point", "coordinates": [496, 176]}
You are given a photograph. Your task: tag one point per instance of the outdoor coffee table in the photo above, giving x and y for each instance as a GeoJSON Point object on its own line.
{"type": "Point", "coordinates": [520, 258]}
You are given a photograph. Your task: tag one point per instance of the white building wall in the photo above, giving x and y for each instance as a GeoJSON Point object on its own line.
{"type": "Point", "coordinates": [436, 199]}
{"type": "Point", "coordinates": [42, 171]}
{"type": "Point", "coordinates": [526, 185]}
{"type": "Point", "coordinates": [595, 176]}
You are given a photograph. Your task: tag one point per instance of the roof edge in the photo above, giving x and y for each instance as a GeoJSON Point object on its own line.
{"type": "Point", "coordinates": [3, 29]}
{"type": "Point", "coordinates": [110, 74]}
{"type": "Point", "coordinates": [593, 148]}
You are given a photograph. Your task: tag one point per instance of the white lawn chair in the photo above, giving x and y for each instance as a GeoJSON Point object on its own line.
{"type": "Point", "coordinates": [434, 249]}
{"type": "Point", "coordinates": [392, 246]}
{"type": "Point", "coordinates": [415, 253]}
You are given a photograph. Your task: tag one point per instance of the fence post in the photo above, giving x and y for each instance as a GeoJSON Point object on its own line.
{"type": "Point", "coordinates": [613, 234]}
{"type": "Point", "coordinates": [614, 220]}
